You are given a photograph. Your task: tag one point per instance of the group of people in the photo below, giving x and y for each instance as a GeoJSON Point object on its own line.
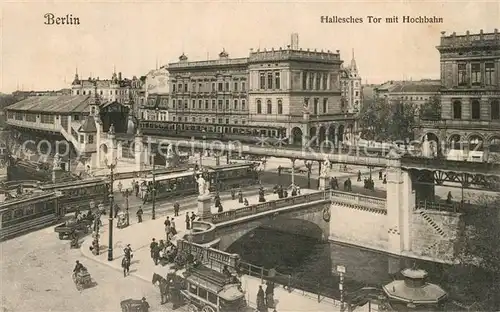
{"type": "Point", "coordinates": [161, 250]}
{"type": "Point", "coordinates": [265, 299]}
{"type": "Point", "coordinates": [170, 230]}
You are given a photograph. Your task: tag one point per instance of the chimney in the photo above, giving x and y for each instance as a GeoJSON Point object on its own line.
{"type": "Point", "coordinates": [120, 76]}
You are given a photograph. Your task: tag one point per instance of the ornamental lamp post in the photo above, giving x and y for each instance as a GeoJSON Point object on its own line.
{"type": "Point", "coordinates": [96, 227]}
{"type": "Point", "coordinates": [111, 167]}
{"type": "Point", "coordinates": [153, 190]}
{"type": "Point", "coordinates": [126, 194]}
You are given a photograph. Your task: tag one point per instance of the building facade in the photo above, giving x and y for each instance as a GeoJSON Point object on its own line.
{"type": "Point", "coordinates": [117, 89]}
{"type": "Point", "coordinates": [470, 96]}
{"type": "Point", "coordinates": [350, 87]}
{"type": "Point", "coordinates": [155, 105]}
{"type": "Point", "coordinates": [417, 92]}
{"type": "Point", "coordinates": [280, 93]}
{"type": "Point", "coordinates": [212, 93]}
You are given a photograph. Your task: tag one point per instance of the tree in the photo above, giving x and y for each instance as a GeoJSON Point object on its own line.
{"type": "Point", "coordinates": [431, 109]}
{"type": "Point", "coordinates": [384, 120]}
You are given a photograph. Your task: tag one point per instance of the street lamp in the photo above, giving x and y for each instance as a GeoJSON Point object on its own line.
{"type": "Point", "coordinates": [97, 218]}
{"type": "Point", "coordinates": [153, 190]}
{"type": "Point", "coordinates": [126, 194]}
{"type": "Point", "coordinates": [111, 167]}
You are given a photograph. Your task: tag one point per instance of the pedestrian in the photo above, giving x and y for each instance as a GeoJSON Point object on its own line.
{"type": "Point", "coordinates": [176, 209]}
{"type": "Point", "coordinates": [173, 230]}
{"type": "Point", "coordinates": [144, 305]}
{"type": "Point", "coordinates": [139, 215]}
{"type": "Point", "coordinates": [120, 186]}
{"type": "Point", "coordinates": [136, 189]}
{"type": "Point", "coordinates": [240, 196]}
{"type": "Point", "coordinates": [188, 221]}
{"type": "Point", "coordinates": [233, 194]}
{"type": "Point", "coordinates": [270, 294]}
{"type": "Point", "coordinates": [167, 229]}
{"type": "Point", "coordinates": [261, 304]}
{"type": "Point", "coordinates": [193, 217]}
{"type": "Point", "coordinates": [132, 184]}
{"type": "Point", "coordinates": [380, 175]}
{"type": "Point", "coordinates": [152, 248]}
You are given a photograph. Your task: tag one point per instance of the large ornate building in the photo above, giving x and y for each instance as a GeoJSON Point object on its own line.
{"type": "Point", "coordinates": [122, 90]}
{"type": "Point", "coordinates": [285, 92]}
{"type": "Point", "coordinates": [470, 96]}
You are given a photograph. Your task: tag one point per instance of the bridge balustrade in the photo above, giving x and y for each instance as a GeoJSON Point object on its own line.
{"type": "Point", "coordinates": [267, 206]}
{"type": "Point", "coordinates": [439, 206]}
{"type": "Point", "coordinates": [211, 256]}
{"type": "Point", "coordinates": [357, 199]}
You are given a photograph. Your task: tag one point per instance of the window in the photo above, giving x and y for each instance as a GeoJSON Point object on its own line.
{"type": "Point", "coordinates": [227, 120]}
{"type": "Point", "coordinates": [219, 104]}
{"type": "Point", "coordinates": [193, 87]}
{"type": "Point", "coordinates": [306, 102]}
{"type": "Point", "coordinates": [235, 104]}
{"type": "Point", "coordinates": [185, 119]}
{"type": "Point", "coordinates": [259, 107]}
{"type": "Point", "coordinates": [475, 109]}
{"type": "Point", "coordinates": [82, 138]}
{"type": "Point", "coordinates": [206, 104]}
{"type": "Point", "coordinates": [213, 104]}
{"type": "Point", "coordinates": [193, 119]}
{"type": "Point", "coordinates": [31, 117]}
{"type": "Point", "coordinates": [235, 87]}
{"type": "Point", "coordinates": [476, 74]}
{"type": "Point", "coordinates": [193, 102]}
{"type": "Point", "coordinates": [277, 81]}
{"type": "Point", "coordinates": [269, 107]}
{"type": "Point", "coordinates": [83, 92]}
{"type": "Point", "coordinates": [242, 104]}
{"type": "Point", "coordinates": [200, 87]}
{"type": "Point", "coordinates": [489, 69]}
{"type": "Point", "coordinates": [495, 110]}
{"type": "Point", "coordinates": [220, 120]}
{"type": "Point", "coordinates": [213, 120]}
{"type": "Point", "coordinates": [457, 110]}
{"type": "Point", "coordinates": [270, 80]}
{"type": "Point", "coordinates": [77, 92]}
{"type": "Point", "coordinates": [462, 74]}
{"type": "Point", "coordinates": [173, 118]}
{"type": "Point", "coordinates": [280, 107]}
{"type": "Point", "coordinates": [262, 81]}
{"type": "Point", "coordinates": [100, 92]}
{"type": "Point", "coordinates": [318, 81]}
{"type": "Point", "coordinates": [227, 104]}
{"type": "Point", "coordinates": [91, 139]}
{"type": "Point", "coordinates": [185, 104]}
{"type": "Point", "coordinates": [173, 103]}
{"type": "Point", "coordinates": [200, 104]}
{"type": "Point", "coordinates": [243, 86]}
{"type": "Point", "coordinates": [173, 87]}
{"type": "Point", "coordinates": [179, 86]}
{"type": "Point", "coordinates": [357, 94]}
{"type": "Point", "coordinates": [316, 104]}
{"type": "Point", "coordinates": [304, 80]}
{"type": "Point", "coordinates": [213, 86]}
{"type": "Point", "coordinates": [311, 81]}
{"type": "Point", "coordinates": [220, 86]}
{"type": "Point", "coordinates": [47, 119]}
{"type": "Point", "coordinates": [325, 81]}
{"type": "Point", "coordinates": [227, 86]}
{"type": "Point", "coordinates": [325, 105]}
{"type": "Point", "coordinates": [185, 87]}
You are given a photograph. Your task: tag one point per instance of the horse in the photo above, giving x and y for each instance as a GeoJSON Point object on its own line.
{"type": "Point", "coordinates": [126, 266]}
{"type": "Point", "coordinates": [164, 287]}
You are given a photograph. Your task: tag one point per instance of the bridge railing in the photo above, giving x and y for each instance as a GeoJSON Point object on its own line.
{"type": "Point", "coordinates": [439, 206]}
{"type": "Point", "coordinates": [358, 199]}
{"type": "Point", "coordinates": [267, 206]}
{"type": "Point", "coordinates": [211, 256]}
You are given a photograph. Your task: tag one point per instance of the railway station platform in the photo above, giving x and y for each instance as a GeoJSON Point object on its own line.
{"type": "Point", "coordinates": [139, 236]}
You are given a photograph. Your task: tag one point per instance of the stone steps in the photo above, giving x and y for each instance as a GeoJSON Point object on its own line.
{"type": "Point", "coordinates": [432, 223]}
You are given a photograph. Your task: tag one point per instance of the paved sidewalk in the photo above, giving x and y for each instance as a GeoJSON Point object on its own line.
{"type": "Point", "coordinates": [139, 236]}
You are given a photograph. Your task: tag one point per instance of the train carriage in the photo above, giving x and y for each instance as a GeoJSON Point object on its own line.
{"type": "Point", "coordinates": [183, 183]}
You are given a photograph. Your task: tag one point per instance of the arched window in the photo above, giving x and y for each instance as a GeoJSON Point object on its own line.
{"type": "Point", "coordinates": [269, 107]}
{"type": "Point", "coordinates": [455, 142]}
{"type": "Point", "coordinates": [457, 110]}
{"type": "Point", "coordinates": [280, 107]}
{"type": "Point", "coordinates": [495, 110]}
{"type": "Point", "coordinates": [475, 143]}
{"type": "Point", "coordinates": [259, 107]}
{"type": "Point", "coordinates": [475, 109]}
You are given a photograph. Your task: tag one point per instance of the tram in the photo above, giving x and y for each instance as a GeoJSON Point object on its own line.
{"type": "Point", "coordinates": [212, 131]}
{"type": "Point", "coordinates": [79, 194]}
{"type": "Point", "coordinates": [224, 177]}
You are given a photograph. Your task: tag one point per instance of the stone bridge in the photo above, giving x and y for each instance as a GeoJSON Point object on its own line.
{"type": "Point", "coordinates": [307, 215]}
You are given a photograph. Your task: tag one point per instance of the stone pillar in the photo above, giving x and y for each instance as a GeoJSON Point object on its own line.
{"type": "Point", "coordinates": [57, 174]}
{"type": "Point", "coordinates": [138, 151]}
{"type": "Point", "coordinates": [113, 150]}
{"type": "Point", "coordinates": [204, 210]}
{"type": "Point", "coordinates": [398, 213]}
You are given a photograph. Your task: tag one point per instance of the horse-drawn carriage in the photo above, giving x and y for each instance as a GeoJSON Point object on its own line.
{"type": "Point", "coordinates": [71, 226]}
{"type": "Point", "coordinates": [82, 279]}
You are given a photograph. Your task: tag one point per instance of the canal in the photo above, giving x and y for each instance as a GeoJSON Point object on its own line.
{"type": "Point", "coordinates": [310, 261]}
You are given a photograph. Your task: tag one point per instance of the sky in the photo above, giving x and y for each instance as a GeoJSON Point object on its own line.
{"type": "Point", "coordinates": [132, 36]}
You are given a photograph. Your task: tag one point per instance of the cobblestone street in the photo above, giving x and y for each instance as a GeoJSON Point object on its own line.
{"type": "Point", "coordinates": [36, 270]}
